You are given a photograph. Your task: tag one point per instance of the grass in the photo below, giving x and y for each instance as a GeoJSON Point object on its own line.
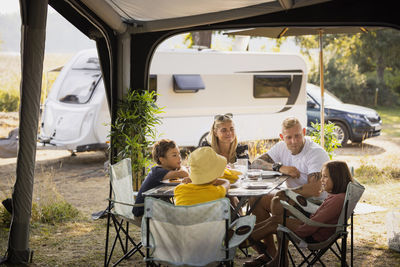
{"type": "Point", "coordinates": [390, 120]}
{"type": "Point", "coordinates": [10, 69]}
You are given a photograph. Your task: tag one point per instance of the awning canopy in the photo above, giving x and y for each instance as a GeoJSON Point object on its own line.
{"type": "Point", "coordinates": [155, 15]}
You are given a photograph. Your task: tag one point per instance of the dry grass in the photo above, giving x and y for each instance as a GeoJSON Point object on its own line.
{"type": "Point", "coordinates": [10, 69]}
{"type": "Point", "coordinates": [8, 122]}
{"type": "Point", "coordinates": [259, 147]}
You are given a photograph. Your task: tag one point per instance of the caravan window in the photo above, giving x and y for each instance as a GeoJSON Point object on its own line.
{"type": "Point", "coordinates": [153, 84]}
{"type": "Point", "coordinates": [188, 83]}
{"type": "Point", "coordinates": [268, 86]}
{"type": "Point", "coordinates": [78, 88]}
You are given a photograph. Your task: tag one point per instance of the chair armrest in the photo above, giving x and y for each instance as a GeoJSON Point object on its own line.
{"type": "Point", "coordinates": [310, 208]}
{"type": "Point", "coordinates": [237, 239]}
{"type": "Point", "coordinates": [127, 204]}
{"type": "Point", "coordinates": [295, 212]}
{"type": "Point", "coordinates": [298, 240]}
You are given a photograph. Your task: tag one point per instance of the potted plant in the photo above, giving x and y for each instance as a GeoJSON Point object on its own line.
{"type": "Point", "coordinates": [133, 131]}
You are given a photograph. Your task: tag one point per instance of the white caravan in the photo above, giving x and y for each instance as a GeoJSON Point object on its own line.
{"type": "Point", "coordinates": [259, 89]}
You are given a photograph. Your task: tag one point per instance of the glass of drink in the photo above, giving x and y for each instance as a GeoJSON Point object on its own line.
{"type": "Point", "coordinates": [242, 166]}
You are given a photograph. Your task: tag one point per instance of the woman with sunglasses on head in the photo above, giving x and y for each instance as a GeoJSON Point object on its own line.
{"type": "Point", "coordinates": [222, 138]}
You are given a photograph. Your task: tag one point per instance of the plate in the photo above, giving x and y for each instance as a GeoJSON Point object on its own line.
{"type": "Point", "coordinates": [172, 182]}
{"type": "Point", "coordinates": [270, 174]}
{"type": "Point", "coordinates": [254, 174]}
{"type": "Point", "coordinates": [256, 186]}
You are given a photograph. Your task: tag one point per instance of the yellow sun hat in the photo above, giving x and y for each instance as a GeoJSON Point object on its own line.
{"type": "Point", "coordinates": [205, 165]}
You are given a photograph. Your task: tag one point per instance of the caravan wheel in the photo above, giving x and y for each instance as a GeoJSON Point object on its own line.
{"type": "Point", "coordinates": [203, 138]}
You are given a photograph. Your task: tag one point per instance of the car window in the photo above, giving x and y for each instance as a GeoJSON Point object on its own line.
{"type": "Point", "coordinates": [310, 99]}
{"type": "Point", "coordinates": [329, 98]}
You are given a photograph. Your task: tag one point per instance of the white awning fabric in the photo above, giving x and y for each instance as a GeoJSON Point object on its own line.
{"type": "Point", "coordinates": [155, 15]}
{"type": "Point", "coordinates": [147, 10]}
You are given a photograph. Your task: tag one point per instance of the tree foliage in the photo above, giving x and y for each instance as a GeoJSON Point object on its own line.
{"type": "Point", "coordinates": [331, 142]}
{"type": "Point", "coordinates": [355, 65]}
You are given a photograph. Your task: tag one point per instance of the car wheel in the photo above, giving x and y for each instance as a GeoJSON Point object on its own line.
{"type": "Point", "coordinates": [203, 138]}
{"type": "Point", "coordinates": [342, 134]}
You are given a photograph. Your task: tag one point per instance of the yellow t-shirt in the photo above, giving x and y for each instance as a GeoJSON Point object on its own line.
{"type": "Point", "coordinates": [190, 194]}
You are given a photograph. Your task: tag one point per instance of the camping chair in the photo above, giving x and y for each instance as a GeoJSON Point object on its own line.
{"type": "Point", "coordinates": [317, 250]}
{"type": "Point", "coordinates": [194, 235]}
{"type": "Point", "coordinates": [120, 213]}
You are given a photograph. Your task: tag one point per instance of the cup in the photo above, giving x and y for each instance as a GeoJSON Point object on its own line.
{"type": "Point", "coordinates": [242, 166]}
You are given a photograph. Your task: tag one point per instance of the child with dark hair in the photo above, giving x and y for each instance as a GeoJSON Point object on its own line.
{"type": "Point", "coordinates": [168, 158]}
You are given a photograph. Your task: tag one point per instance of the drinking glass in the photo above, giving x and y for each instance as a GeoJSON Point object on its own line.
{"type": "Point", "coordinates": [242, 166]}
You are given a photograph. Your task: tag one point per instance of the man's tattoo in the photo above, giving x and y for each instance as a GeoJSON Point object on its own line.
{"type": "Point", "coordinates": [263, 162]}
{"type": "Point", "coordinates": [315, 176]}
{"type": "Point", "coordinates": [266, 157]}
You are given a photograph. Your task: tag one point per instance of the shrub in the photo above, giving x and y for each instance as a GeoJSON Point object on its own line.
{"type": "Point", "coordinates": [370, 174]}
{"type": "Point", "coordinates": [330, 140]}
{"type": "Point", "coordinates": [51, 213]}
{"type": "Point", "coordinates": [5, 217]}
{"type": "Point", "coordinates": [54, 212]}
{"type": "Point", "coordinates": [9, 102]}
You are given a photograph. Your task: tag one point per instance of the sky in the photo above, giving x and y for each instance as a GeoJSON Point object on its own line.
{"type": "Point", "coordinates": [12, 6]}
{"type": "Point", "coordinates": [9, 6]}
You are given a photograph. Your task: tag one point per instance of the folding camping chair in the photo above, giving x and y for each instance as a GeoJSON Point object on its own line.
{"type": "Point", "coordinates": [317, 250]}
{"type": "Point", "coordinates": [120, 213]}
{"type": "Point", "coordinates": [192, 235]}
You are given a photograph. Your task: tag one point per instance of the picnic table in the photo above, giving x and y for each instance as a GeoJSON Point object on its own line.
{"type": "Point", "coordinates": [244, 189]}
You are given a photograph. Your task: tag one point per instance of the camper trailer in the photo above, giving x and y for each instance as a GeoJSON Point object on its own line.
{"type": "Point", "coordinates": [259, 89]}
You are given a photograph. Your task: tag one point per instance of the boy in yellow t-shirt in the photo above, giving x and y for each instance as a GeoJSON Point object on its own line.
{"type": "Point", "coordinates": [205, 168]}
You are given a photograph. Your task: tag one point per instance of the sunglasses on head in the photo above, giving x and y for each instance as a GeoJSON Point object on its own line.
{"type": "Point", "coordinates": [224, 116]}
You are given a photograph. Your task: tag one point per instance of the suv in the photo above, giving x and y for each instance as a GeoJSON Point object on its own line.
{"type": "Point", "coordinates": [353, 122]}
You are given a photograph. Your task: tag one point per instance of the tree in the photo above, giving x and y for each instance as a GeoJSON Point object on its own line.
{"type": "Point", "coordinates": [377, 55]}
{"type": "Point", "coordinates": [201, 39]}
{"type": "Point", "coordinates": [341, 76]}
{"type": "Point", "coordinates": [355, 65]}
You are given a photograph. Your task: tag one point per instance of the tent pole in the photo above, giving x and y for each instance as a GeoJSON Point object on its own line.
{"type": "Point", "coordinates": [321, 79]}
{"type": "Point", "coordinates": [33, 33]}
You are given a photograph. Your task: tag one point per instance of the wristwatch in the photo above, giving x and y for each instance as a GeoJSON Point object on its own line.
{"type": "Point", "coordinates": [276, 166]}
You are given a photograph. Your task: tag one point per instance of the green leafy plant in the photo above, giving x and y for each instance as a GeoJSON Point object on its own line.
{"type": "Point", "coordinates": [9, 101]}
{"type": "Point", "coordinates": [134, 131]}
{"type": "Point", "coordinates": [330, 140]}
{"type": "Point", "coordinates": [54, 212]}
{"type": "Point", "coordinates": [5, 217]}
